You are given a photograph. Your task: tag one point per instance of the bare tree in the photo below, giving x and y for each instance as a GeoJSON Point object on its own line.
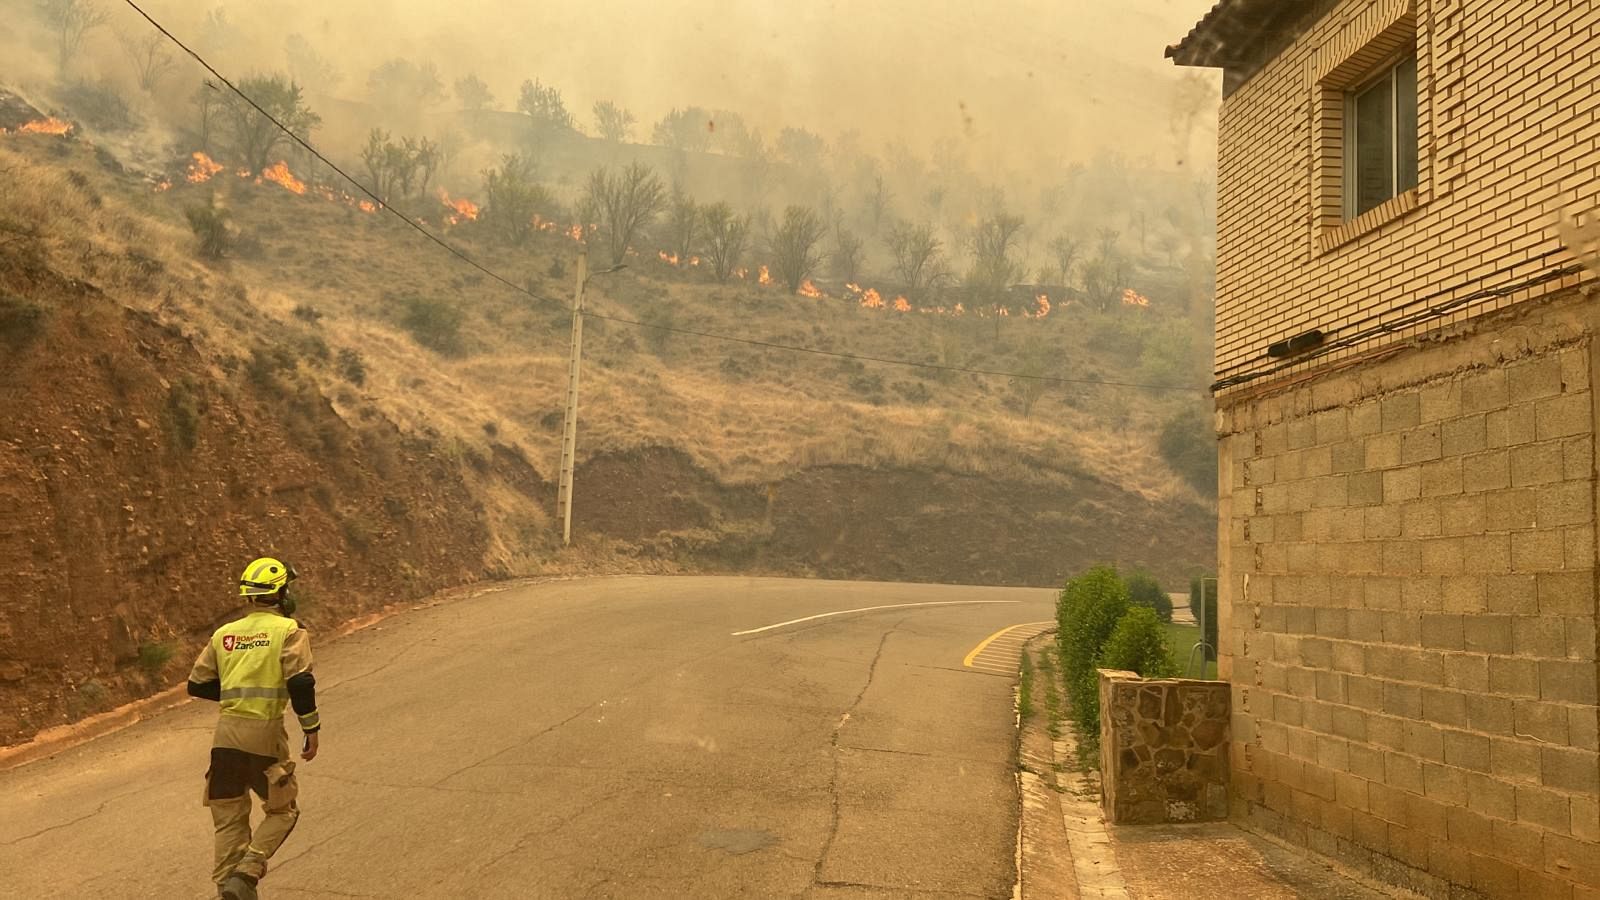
{"type": "Point", "coordinates": [916, 254]}
{"type": "Point", "coordinates": [546, 111]}
{"type": "Point", "coordinates": [687, 130]}
{"type": "Point", "coordinates": [255, 137]}
{"type": "Point", "coordinates": [1108, 241]}
{"type": "Point", "coordinates": [878, 201]}
{"type": "Point", "coordinates": [626, 202]}
{"type": "Point", "coordinates": [473, 95]}
{"type": "Point", "coordinates": [614, 123]}
{"type": "Point", "coordinates": [847, 252]}
{"type": "Point", "coordinates": [726, 234]}
{"type": "Point", "coordinates": [1065, 251]}
{"type": "Point", "coordinates": [994, 268]}
{"type": "Point", "coordinates": [70, 21]}
{"type": "Point", "coordinates": [150, 57]}
{"type": "Point", "coordinates": [795, 250]}
{"type": "Point", "coordinates": [683, 223]}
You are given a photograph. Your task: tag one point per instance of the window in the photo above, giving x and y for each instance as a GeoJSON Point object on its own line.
{"type": "Point", "coordinates": [1380, 153]}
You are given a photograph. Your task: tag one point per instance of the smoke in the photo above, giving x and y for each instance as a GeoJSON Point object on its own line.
{"type": "Point", "coordinates": [1020, 84]}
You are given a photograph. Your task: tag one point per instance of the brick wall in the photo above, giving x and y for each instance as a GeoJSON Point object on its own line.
{"type": "Point", "coordinates": [1509, 134]}
{"type": "Point", "coordinates": [1408, 615]}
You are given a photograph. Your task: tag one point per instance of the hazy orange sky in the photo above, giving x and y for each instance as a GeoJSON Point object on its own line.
{"type": "Point", "coordinates": [1018, 82]}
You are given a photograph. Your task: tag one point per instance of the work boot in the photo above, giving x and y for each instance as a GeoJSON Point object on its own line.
{"type": "Point", "coordinates": [238, 887]}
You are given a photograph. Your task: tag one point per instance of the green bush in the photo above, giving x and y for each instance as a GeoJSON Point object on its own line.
{"type": "Point", "coordinates": [154, 655]}
{"type": "Point", "coordinates": [1144, 590]}
{"type": "Point", "coordinates": [1086, 613]}
{"type": "Point", "coordinates": [1139, 644]}
{"type": "Point", "coordinates": [352, 367]}
{"type": "Point", "coordinates": [211, 229]}
{"type": "Point", "coordinates": [435, 324]}
{"type": "Point", "coordinates": [20, 321]}
{"type": "Point", "coordinates": [1211, 608]}
{"type": "Point", "coordinates": [1189, 446]}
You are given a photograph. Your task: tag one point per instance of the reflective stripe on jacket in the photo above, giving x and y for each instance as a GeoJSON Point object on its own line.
{"type": "Point", "coordinates": [249, 656]}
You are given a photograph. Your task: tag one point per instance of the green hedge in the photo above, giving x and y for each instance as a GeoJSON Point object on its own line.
{"type": "Point", "coordinates": [1139, 644]}
{"type": "Point", "coordinates": [1086, 614]}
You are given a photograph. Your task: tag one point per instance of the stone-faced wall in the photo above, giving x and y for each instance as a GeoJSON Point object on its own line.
{"type": "Point", "coordinates": [1408, 607]}
{"type": "Point", "coordinates": [1163, 749]}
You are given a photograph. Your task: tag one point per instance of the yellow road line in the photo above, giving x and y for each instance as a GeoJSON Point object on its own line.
{"type": "Point", "coordinates": [991, 638]}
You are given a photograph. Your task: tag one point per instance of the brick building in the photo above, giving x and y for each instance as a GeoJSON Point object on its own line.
{"type": "Point", "coordinates": [1407, 376]}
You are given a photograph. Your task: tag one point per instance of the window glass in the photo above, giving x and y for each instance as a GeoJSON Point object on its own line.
{"type": "Point", "coordinates": [1373, 157]}
{"type": "Point", "coordinates": [1405, 90]}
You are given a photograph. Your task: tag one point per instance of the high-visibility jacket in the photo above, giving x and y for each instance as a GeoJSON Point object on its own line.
{"type": "Point", "coordinates": [249, 655]}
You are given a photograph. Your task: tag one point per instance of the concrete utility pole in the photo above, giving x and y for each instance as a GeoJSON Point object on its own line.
{"type": "Point", "coordinates": [569, 439]}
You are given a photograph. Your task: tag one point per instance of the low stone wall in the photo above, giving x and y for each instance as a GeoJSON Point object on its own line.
{"type": "Point", "coordinates": [1163, 749]}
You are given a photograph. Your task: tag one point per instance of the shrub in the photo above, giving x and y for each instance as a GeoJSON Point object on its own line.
{"type": "Point", "coordinates": [1086, 613]}
{"type": "Point", "coordinates": [1190, 447]}
{"type": "Point", "coordinates": [154, 655]}
{"type": "Point", "coordinates": [1195, 585]}
{"type": "Point", "coordinates": [210, 227]}
{"type": "Point", "coordinates": [433, 323]}
{"type": "Point", "coordinates": [659, 317]}
{"type": "Point", "coordinates": [1139, 644]}
{"type": "Point", "coordinates": [305, 312]}
{"type": "Point", "coordinates": [1144, 590]}
{"type": "Point", "coordinates": [20, 321]}
{"type": "Point", "coordinates": [184, 410]}
{"type": "Point", "coordinates": [352, 367]}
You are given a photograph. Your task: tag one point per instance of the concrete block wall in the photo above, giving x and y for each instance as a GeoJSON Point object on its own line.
{"type": "Point", "coordinates": [1408, 612]}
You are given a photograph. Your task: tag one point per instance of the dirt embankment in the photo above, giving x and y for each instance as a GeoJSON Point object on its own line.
{"type": "Point", "coordinates": [892, 525]}
{"type": "Point", "coordinates": [135, 480]}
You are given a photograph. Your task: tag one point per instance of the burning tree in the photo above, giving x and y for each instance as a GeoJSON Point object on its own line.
{"type": "Point", "coordinates": [726, 234]}
{"type": "Point", "coordinates": [916, 253]}
{"type": "Point", "coordinates": [624, 203]}
{"type": "Point", "coordinates": [253, 136]}
{"type": "Point", "coordinates": [682, 224]}
{"type": "Point", "coordinates": [70, 21]}
{"type": "Point", "coordinates": [150, 57]}
{"type": "Point", "coordinates": [512, 198]}
{"type": "Point", "coordinates": [795, 252]}
{"type": "Point", "coordinates": [614, 123]}
{"type": "Point", "coordinates": [473, 94]}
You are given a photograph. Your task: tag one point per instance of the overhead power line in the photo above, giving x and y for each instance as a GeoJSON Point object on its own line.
{"type": "Point", "coordinates": [383, 205]}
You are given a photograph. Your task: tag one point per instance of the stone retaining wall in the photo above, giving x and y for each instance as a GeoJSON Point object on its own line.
{"type": "Point", "coordinates": [1163, 749]}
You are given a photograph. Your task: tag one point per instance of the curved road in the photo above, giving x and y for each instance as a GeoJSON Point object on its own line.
{"type": "Point", "coordinates": [596, 738]}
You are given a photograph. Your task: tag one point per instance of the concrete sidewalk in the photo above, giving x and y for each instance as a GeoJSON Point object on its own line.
{"type": "Point", "coordinates": [1069, 852]}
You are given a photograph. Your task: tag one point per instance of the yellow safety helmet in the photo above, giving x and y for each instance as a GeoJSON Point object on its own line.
{"type": "Point", "coordinates": [266, 577]}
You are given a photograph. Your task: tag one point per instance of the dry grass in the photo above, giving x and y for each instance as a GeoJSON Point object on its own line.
{"type": "Point", "coordinates": [758, 418]}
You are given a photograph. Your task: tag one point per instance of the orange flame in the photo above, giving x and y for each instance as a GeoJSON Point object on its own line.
{"type": "Point", "coordinates": [51, 125]}
{"type": "Point", "coordinates": [244, 173]}
{"type": "Point", "coordinates": [871, 299]}
{"type": "Point", "coordinates": [742, 272]}
{"type": "Point", "coordinates": [201, 168]}
{"type": "Point", "coordinates": [852, 287]}
{"type": "Point", "coordinates": [163, 184]}
{"type": "Point", "coordinates": [367, 206]}
{"type": "Point", "coordinates": [1134, 298]}
{"type": "Point", "coordinates": [670, 259]}
{"type": "Point", "coordinates": [460, 209]}
{"type": "Point", "coordinates": [765, 277]}
{"type": "Point", "coordinates": [279, 174]}
{"type": "Point", "coordinates": [1043, 300]}
{"type": "Point", "coordinates": [575, 232]}
{"type": "Point", "coordinates": [902, 305]}
{"type": "Point", "coordinates": [960, 310]}
{"type": "Point", "coordinates": [807, 289]}
{"type": "Point", "coordinates": [694, 260]}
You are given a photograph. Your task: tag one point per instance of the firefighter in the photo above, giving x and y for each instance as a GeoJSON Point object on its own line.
{"type": "Point", "coordinates": [254, 667]}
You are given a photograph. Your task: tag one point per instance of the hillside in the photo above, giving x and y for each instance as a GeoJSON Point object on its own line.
{"type": "Point", "coordinates": [167, 417]}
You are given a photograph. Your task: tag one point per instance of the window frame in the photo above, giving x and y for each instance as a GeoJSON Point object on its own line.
{"type": "Point", "coordinates": [1388, 70]}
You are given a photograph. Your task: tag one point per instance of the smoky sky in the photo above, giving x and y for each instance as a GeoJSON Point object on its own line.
{"type": "Point", "coordinates": [1016, 84]}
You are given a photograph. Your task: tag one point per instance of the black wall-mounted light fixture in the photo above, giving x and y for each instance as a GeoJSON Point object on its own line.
{"type": "Point", "coordinates": [1300, 343]}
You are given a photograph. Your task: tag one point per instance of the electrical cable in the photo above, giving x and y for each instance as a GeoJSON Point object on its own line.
{"type": "Point", "coordinates": [461, 255]}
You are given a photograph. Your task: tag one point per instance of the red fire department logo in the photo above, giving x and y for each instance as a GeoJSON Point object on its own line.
{"type": "Point", "coordinates": [227, 642]}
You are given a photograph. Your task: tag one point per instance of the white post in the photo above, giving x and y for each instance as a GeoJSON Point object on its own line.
{"type": "Point", "coordinates": [569, 439]}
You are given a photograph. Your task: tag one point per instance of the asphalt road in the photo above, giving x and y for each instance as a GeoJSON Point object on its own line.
{"type": "Point", "coordinates": [595, 738]}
